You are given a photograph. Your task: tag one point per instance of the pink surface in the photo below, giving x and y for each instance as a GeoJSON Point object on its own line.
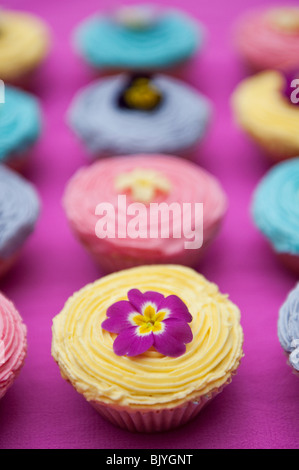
{"type": "Point", "coordinates": [259, 409]}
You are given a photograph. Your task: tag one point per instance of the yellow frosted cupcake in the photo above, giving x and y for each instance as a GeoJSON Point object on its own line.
{"type": "Point", "coordinates": [148, 347]}
{"type": "Point", "coordinates": [264, 109]}
{"type": "Point", "coordinates": [24, 42]}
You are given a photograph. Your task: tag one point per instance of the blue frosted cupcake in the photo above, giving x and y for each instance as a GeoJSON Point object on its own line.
{"type": "Point", "coordinates": [288, 328]}
{"type": "Point", "coordinates": [20, 126]}
{"type": "Point", "coordinates": [130, 114]}
{"type": "Point", "coordinates": [276, 210]}
{"type": "Point", "coordinates": [141, 37]}
{"type": "Point", "coordinates": [19, 210]}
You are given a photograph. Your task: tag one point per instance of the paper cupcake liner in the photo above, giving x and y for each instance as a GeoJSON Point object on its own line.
{"type": "Point", "coordinates": [181, 70]}
{"type": "Point", "coordinates": [159, 419]}
{"type": "Point", "coordinates": [274, 149]}
{"type": "Point", "coordinates": [295, 371]}
{"type": "Point", "coordinates": [6, 264]}
{"type": "Point", "coordinates": [191, 153]}
{"type": "Point", "coordinates": [156, 420]}
{"type": "Point", "coordinates": [111, 262]}
{"type": "Point", "coordinates": [290, 261]}
{"type": "Point", "coordinates": [18, 162]}
{"type": "Point", "coordinates": [6, 387]}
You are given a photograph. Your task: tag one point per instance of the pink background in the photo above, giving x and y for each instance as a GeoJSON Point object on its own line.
{"type": "Point", "coordinates": [260, 408]}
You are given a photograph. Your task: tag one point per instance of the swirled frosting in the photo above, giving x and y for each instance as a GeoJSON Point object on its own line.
{"type": "Point", "coordinates": [288, 327]}
{"type": "Point", "coordinates": [19, 209]}
{"type": "Point", "coordinates": [99, 182]}
{"type": "Point", "coordinates": [24, 42]}
{"type": "Point", "coordinates": [177, 124]}
{"type": "Point", "coordinates": [20, 123]}
{"type": "Point", "coordinates": [268, 43]}
{"type": "Point", "coordinates": [84, 351]}
{"type": "Point", "coordinates": [13, 343]}
{"type": "Point", "coordinates": [275, 206]}
{"type": "Point", "coordinates": [262, 109]}
{"type": "Point", "coordinates": [105, 43]}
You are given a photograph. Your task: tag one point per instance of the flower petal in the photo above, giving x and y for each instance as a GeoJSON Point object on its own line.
{"type": "Point", "coordinates": [138, 299]}
{"type": "Point", "coordinates": [168, 345]}
{"type": "Point", "coordinates": [178, 309]}
{"type": "Point", "coordinates": [129, 343]}
{"type": "Point", "coordinates": [178, 329]}
{"type": "Point", "coordinates": [118, 314]}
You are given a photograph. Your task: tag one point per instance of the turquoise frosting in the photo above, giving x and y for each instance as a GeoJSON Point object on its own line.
{"type": "Point", "coordinates": [275, 207]}
{"type": "Point", "coordinates": [19, 122]}
{"type": "Point", "coordinates": [105, 43]}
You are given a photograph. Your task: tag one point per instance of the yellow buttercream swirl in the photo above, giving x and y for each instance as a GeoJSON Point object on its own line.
{"type": "Point", "coordinates": [265, 113]}
{"type": "Point", "coordinates": [285, 19]}
{"type": "Point", "coordinates": [24, 41]}
{"type": "Point", "coordinates": [84, 351]}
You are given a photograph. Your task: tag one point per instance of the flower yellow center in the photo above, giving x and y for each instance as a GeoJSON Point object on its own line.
{"type": "Point", "coordinates": [142, 95]}
{"type": "Point", "coordinates": [150, 320]}
{"type": "Point", "coordinates": [142, 183]}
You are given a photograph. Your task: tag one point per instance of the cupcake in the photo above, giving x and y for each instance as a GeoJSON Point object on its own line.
{"type": "Point", "coordinates": [288, 328]}
{"type": "Point", "coordinates": [144, 209]}
{"type": "Point", "coordinates": [269, 38]}
{"type": "Point", "coordinates": [24, 42]}
{"type": "Point", "coordinates": [148, 347]}
{"type": "Point", "coordinates": [136, 113]}
{"type": "Point", "coordinates": [142, 37]}
{"type": "Point", "coordinates": [275, 210]}
{"type": "Point", "coordinates": [13, 344]}
{"type": "Point", "coordinates": [265, 107]}
{"type": "Point", "coordinates": [20, 126]}
{"type": "Point", "coordinates": [19, 209]}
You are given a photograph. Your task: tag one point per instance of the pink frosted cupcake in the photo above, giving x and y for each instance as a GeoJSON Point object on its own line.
{"type": "Point", "coordinates": [144, 209]}
{"type": "Point", "coordinates": [150, 346]}
{"type": "Point", "coordinates": [13, 344]}
{"type": "Point", "coordinates": [269, 39]}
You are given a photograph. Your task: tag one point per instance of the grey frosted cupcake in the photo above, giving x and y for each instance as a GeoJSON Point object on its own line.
{"type": "Point", "coordinates": [138, 113]}
{"type": "Point", "coordinates": [19, 210]}
{"type": "Point", "coordinates": [288, 328]}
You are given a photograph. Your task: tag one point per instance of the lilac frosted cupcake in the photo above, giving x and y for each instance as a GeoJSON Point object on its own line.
{"type": "Point", "coordinates": [138, 113]}
{"type": "Point", "coordinates": [19, 210]}
{"type": "Point", "coordinates": [288, 328]}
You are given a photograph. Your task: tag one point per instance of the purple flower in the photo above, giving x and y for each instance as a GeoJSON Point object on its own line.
{"type": "Point", "coordinates": [149, 319]}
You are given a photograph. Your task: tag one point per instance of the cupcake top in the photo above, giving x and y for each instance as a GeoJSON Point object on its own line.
{"type": "Point", "coordinates": [270, 38]}
{"type": "Point", "coordinates": [260, 102]}
{"type": "Point", "coordinates": [138, 37]}
{"type": "Point", "coordinates": [275, 206]}
{"type": "Point", "coordinates": [24, 41]}
{"type": "Point", "coordinates": [13, 343]}
{"type": "Point", "coordinates": [288, 327]}
{"type": "Point", "coordinates": [85, 351]}
{"type": "Point", "coordinates": [143, 179]}
{"type": "Point", "coordinates": [139, 113]}
{"type": "Point", "coordinates": [19, 209]}
{"type": "Point", "coordinates": [20, 123]}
